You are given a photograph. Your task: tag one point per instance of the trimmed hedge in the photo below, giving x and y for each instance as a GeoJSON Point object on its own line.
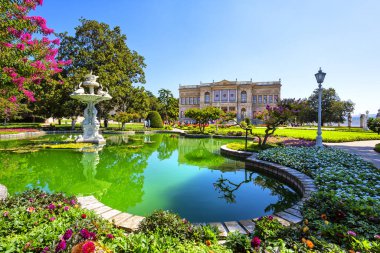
{"type": "Point", "coordinates": [377, 147]}
{"type": "Point", "coordinates": [155, 119]}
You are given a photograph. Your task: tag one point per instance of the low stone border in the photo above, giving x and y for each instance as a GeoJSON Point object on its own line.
{"type": "Point", "coordinates": [234, 153]}
{"type": "Point", "coordinates": [23, 135]}
{"type": "Point", "coordinates": [301, 182]}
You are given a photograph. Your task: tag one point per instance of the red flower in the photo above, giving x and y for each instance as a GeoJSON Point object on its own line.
{"type": "Point", "coordinates": [88, 247]}
{"type": "Point", "coordinates": [84, 216]}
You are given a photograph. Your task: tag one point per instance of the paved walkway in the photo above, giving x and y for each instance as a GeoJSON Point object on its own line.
{"type": "Point", "coordinates": [361, 148]}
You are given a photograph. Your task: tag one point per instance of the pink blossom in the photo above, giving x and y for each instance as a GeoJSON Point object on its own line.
{"type": "Point", "coordinates": [19, 81]}
{"type": "Point", "coordinates": [57, 70]}
{"type": "Point", "coordinates": [39, 2]}
{"type": "Point", "coordinates": [20, 46]}
{"type": "Point", "coordinates": [29, 95]}
{"type": "Point", "coordinates": [6, 44]}
{"type": "Point", "coordinates": [13, 74]}
{"type": "Point", "coordinates": [21, 8]}
{"type": "Point", "coordinates": [26, 37]}
{"type": "Point", "coordinates": [66, 208]}
{"type": "Point", "coordinates": [45, 40]}
{"type": "Point", "coordinates": [52, 218]}
{"type": "Point", "coordinates": [56, 42]}
{"type": "Point", "coordinates": [38, 65]}
{"type": "Point", "coordinates": [13, 99]}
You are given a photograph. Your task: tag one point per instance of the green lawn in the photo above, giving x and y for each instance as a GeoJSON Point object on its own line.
{"type": "Point", "coordinates": [328, 134]}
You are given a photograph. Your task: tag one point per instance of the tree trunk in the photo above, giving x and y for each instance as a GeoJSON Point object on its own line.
{"type": "Point", "coordinates": [73, 122]}
{"type": "Point", "coordinates": [105, 122]}
{"type": "Point", "coordinates": [59, 121]}
{"type": "Point", "coordinates": [122, 125]}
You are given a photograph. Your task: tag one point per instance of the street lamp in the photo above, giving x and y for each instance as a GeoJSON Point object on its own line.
{"type": "Point", "coordinates": [320, 76]}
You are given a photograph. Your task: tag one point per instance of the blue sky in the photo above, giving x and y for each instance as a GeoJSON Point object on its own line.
{"type": "Point", "coordinates": [185, 42]}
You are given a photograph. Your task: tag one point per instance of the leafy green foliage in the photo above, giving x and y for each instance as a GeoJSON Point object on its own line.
{"type": "Point", "coordinates": [377, 147]}
{"type": "Point", "coordinates": [169, 106]}
{"type": "Point", "coordinates": [204, 116]}
{"type": "Point", "coordinates": [155, 119]}
{"type": "Point", "coordinates": [333, 108]}
{"type": "Point", "coordinates": [238, 242]}
{"type": "Point", "coordinates": [95, 46]}
{"type": "Point", "coordinates": [124, 118]}
{"type": "Point", "coordinates": [267, 227]}
{"type": "Point", "coordinates": [348, 193]}
{"type": "Point", "coordinates": [374, 124]}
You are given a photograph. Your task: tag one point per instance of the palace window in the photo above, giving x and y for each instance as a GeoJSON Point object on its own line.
{"type": "Point", "coordinates": [275, 98]}
{"type": "Point", "coordinates": [224, 95]}
{"type": "Point", "coordinates": [216, 95]}
{"type": "Point", "coordinates": [182, 101]}
{"type": "Point", "coordinates": [270, 99]}
{"type": "Point", "coordinates": [243, 96]}
{"type": "Point", "coordinates": [191, 101]}
{"type": "Point", "coordinates": [232, 95]}
{"type": "Point", "coordinates": [181, 114]}
{"type": "Point", "coordinates": [265, 99]}
{"type": "Point", "coordinates": [254, 99]}
{"type": "Point", "coordinates": [260, 99]}
{"type": "Point", "coordinates": [187, 101]}
{"type": "Point", "coordinates": [207, 97]}
{"type": "Point", "coordinates": [243, 113]}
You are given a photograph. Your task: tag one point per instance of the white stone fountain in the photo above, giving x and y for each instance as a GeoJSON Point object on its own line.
{"type": "Point", "coordinates": [86, 94]}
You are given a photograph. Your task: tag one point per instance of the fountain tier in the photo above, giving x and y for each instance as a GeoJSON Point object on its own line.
{"type": "Point", "coordinates": [86, 94]}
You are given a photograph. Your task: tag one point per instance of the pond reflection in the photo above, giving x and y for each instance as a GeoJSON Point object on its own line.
{"type": "Point", "coordinates": [141, 173]}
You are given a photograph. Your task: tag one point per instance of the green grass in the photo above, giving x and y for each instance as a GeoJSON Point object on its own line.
{"type": "Point", "coordinates": [20, 125]}
{"type": "Point", "coordinates": [251, 147]}
{"type": "Point", "coordinates": [330, 135]}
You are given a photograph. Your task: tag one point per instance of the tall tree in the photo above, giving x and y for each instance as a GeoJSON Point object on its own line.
{"type": "Point", "coordinates": [204, 116]}
{"type": "Point", "coordinates": [103, 50]}
{"type": "Point", "coordinates": [333, 108]}
{"type": "Point", "coordinates": [168, 105]}
{"type": "Point", "coordinates": [26, 60]}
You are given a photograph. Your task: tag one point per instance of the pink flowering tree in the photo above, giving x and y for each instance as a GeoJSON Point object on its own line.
{"type": "Point", "coordinates": [274, 117]}
{"type": "Point", "coordinates": [26, 60]}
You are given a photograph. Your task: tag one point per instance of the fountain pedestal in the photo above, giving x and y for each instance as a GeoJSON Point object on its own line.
{"type": "Point", "coordinates": [86, 94]}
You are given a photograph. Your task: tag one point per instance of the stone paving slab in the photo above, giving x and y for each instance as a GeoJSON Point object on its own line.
{"type": "Point", "coordinates": [132, 223]}
{"type": "Point", "coordinates": [118, 219]}
{"type": "Point", "coordinates": [93, 206]}
{"type": "Point", "coordinates": [289, 217]}
{"type": "Point", "coordinates": [221, 228]}
{"type": "Point", "coordinates": [281, 220]}
{"type": "Point", "coordinates": [109, 214]}
{"type": "Point", "coordinates": [234, 226]}
{"type": "Point", "coordinates": [102, 209]}
{"type": "Point", "coordinates": [248, 225]}
{"type": "Point", "coordinates": [294, 212]}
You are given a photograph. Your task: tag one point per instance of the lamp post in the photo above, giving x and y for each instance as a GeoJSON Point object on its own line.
{"type": "Point", "coordinates": [320, 76]}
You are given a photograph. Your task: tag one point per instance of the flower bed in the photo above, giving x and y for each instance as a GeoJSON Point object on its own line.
{"type": "Point", "coordinates": [38, 222]}
{"type": "Point", "coordinates": [17, 130]}
{"type": "Point", "coordinates": [345, 209]}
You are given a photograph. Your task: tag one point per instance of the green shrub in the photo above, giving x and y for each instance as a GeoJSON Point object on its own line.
{"type": "Point", "coordinates": [267, 227]}
{"type": "Point", "coordinates": [238, 242]}
{"type": "Point", "coordinates": [155, 119]}
{"type": "Point", "coordinates": [166, 224]}
{"type": "Point", "coordinates": [377, 147]}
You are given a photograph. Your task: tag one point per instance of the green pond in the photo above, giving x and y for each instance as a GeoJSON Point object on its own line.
{"type": "Point", "coordinates": [141, 173]}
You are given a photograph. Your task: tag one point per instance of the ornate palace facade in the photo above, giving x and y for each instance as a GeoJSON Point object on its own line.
{"type": "Point", "coordinates": [246, 98]}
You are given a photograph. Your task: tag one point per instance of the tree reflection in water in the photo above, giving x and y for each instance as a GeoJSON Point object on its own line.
{"type": "Point", "coordinates": [285, 194]}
